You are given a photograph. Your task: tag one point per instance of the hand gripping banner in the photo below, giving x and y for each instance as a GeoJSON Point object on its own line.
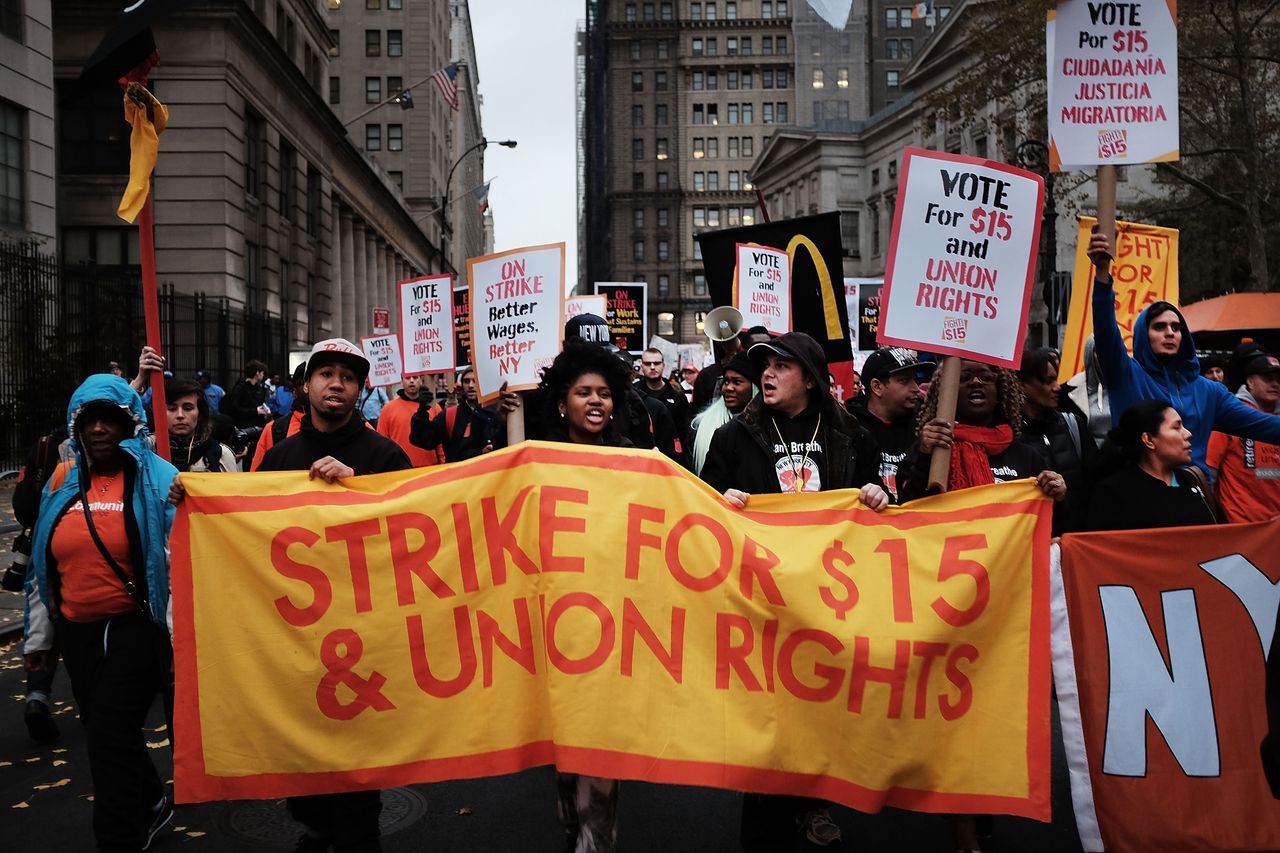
{"type": "Point", "coordinates": [604, 611]}
{"type": "Point", "coordinates": [1160, 645]}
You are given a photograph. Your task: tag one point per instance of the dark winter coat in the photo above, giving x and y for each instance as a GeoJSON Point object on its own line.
{"type": "Point", "coordinates": [354, 445]}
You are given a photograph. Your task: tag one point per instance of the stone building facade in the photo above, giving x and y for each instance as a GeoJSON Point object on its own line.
{"type": "Point", "coordinates": [27, 195]}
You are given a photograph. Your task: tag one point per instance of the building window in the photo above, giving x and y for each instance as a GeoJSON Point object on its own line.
{"type": "Point", "coordinates": [891, 79]}
{"type": "Point", "coordinates": [782, 8]}
{"type": "Point", "coordinates": [748, 146]}
{"type": "Point", "coordinates": [711, 11]}
{"type": "Point", "coordinates": [631, 13]}
{"type": "Point", "coordinates": [11, 19]}
{"type": "Point", "coordinates": [695, 11]}
{"type": "Point", "coordinates": [336, 37]}
{"type": "Point", "coordinates": [667, 11]}
{"type": "Point", "coordinates": [635, 49]}
{"type": "Point", "coordinates": [395, 137]}
{"type": "Point", "coordinates": [313, 200]}
{"type": "Point", "coordinates": [699, 182]}
{"type": "Point", "coordinates": [746, 114]}
{"type": "Point", "coordinates": [731, 80]}
{"type": "Point", "coordinates": [395, 42]}
{"type": "Point", "coordinates": [637, 82]}
{"type": "Point", "coordinates": [252, 282]}
{"type": "Point", "coordinates": [664, 180]}
{"type": "Point", "coordinates": [335, 90]}
{"type": "Point", "coordinates": [637, 149]}
{"type": "Point", "coordinates": [766, 45]}
{"type": "Point", "coordinates": [637, 217]}
{"type": "Point", "coordinates": [891, 19]}
{"type": "Point", "coordinates": [908, 46]}
{"type": "Point", "coordinates": [372, 90]}
{"type": "Point", "coordinates": [734, 181]}
{"type": "Point", "coordinates": [660, 81]}
{"type": "Point", "coordinates": [696, 47]}
{"type": "Point", "coordinates": [373, 42]}
{"type": "Point", "coordinates": [666, 323]}
{"type": "Point", "coordinates": [252, 153]}
{"type": "Point", "coordinates": [699, 285]}
{"type": "Point", "coordinates": [660, 115]}
{"type": "Point", "coordinates": [731, 11]}
{"type": "Point", "coordinates": [373, 137]}
{"type": "Point", "coordinates": [663, 217]}
{"type": "Point", "coordinates": [780, 113]}
{"type": "Point", "coordinates": [713, 148]}
{"type": "Point", "coordinates": [664, 250]}
{"type": "Point", "coordinates": [780, 79]}
{"type": "Point", "coordinates": [661, 151]}
{"type": "Point", "coordinates": [731, 46]}
{"type": "Point", "coordinates": [394, 5]}
{"type": "Point", "coordinates": [637, 250]}
{"type": "Point", "coordinates": [733, 114]}
{"type": "Point", "coordinates": [373, 4]}
{"type": "Point", "coordinates": [664, 284]}
{"type": "Point", "coordinates": [94, 139]}
{"type": "Point", "coordinates": [780, 45]}
{"type": "Point", "coordinates": [873, 213]}
{"type": "Point", "coordinates": [637, 180]}
{"type": "Point", "coordinates": [842, 78]}
{"type": "Point", "coordinates": [745, 45]}
{"type": "Point", "coordinates": [713, 80]}
{"type": "Point", "coordinates": [696, 81]}
{"type": "Point", "coordinates": [12, 139]}
{"type": "Point", "coordinates": [648, 11]}
{"type": "Point", "coordinates": [103, 247]}
{"type": "Point", "coordinates": [699, 114]}
{"type": "Point", "coordinates": [697, 249]}
{"type": "Point", "coordinates": [397, 178]}
{"type": "Point", "coordinates": [766, 113]}
{"type": "Point", "coordinates": [766, 79]}
{"type": "Point", "coordinates": [288, 169]}
{"type": "Point", "coordinates": [713, 217]}
{"type": "Point", "coordinates": [664, 49]}
{"type": "Point", "coordinates": [699, 217]}
{"type": "Point", "coordinates": [395, 85]}
{"type": "Point", "coordinates": [733, 146]}
{"type": "Point", "coordinates": [713, 181]}
{"type": "Point", "coordinates": [891, 48]}
{"type": "Point", "coordinates": [849, 233]}
{"type": "Point", "coordinates": [766, 8]}
{"type": "Point", "coordinates": [637, 115]}
{"type": "Point", "coordinates": [747, 82]}
{"type": "Point", "coordinates": [711, 47]}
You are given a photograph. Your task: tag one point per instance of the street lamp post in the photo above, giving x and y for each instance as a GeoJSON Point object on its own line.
{"type": "Point", "coordinates": [448, 185]}
{"type": "Point", "coordinates": [1033, 155]}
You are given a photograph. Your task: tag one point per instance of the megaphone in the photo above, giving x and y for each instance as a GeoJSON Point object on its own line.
{"type": "Point", "coordinates": [722, 324]}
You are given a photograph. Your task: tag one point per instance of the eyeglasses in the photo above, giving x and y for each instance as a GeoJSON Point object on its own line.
{"type": "Point", "coordinates": [983, 378]}
{"type": "Point", "coordinates": [652, 363]}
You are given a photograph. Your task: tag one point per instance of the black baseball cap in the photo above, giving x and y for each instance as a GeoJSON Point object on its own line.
{"type": "Point", "coordinates": [1262, 363]}
{"type": "Point", "coordinates": [589, 327]}
{"type": "Point", "coordinates": [887, 361]}
{"type": "Point", "coordinates": [799, 347]}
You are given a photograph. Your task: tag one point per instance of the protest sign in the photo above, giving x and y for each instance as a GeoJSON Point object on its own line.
{"type": "Point", "coordinates": [1145, 270]}
{"type": "Point", "coordinates": [381, 321]}
{"type": "Point", "coordinates": [627, 310]}
{"type": "Point", "coordinates": [762, 288]}
{"type": "Point", "coordinates": [962, 257]}
{"type": "Point", "coordinates": [462, 325]}
{"type": "Point", "coordinates": [1160, 640]}
{"type": "Point", "coordinates": [539, 604]}
{"type": "Point", "coordinates": [817, 307]}
{"type": "Point", "coordinates": [1112, 83]}
{"type": "Point", "coordinates": [383, 352]}
{"type": "Point", "coordinates": [517, 316]}
{"type": "Point", "coordinates": [426, 324]}
{"type": "Point", "coordinates": [862, 295]}
{"type": "Point", "coordinates": [588, 304]}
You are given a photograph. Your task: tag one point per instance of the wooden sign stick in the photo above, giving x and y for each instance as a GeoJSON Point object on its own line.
{"type": "Point", "coordinates": [948, 374]}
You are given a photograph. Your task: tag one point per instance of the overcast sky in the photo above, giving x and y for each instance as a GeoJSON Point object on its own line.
{"type": "Point", "coordinates": [525, 55]}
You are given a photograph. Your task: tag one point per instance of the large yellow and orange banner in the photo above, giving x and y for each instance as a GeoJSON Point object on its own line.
{"type": "Point", "coordinates": [1145, 270]}
{"type": "Point", "coordinates": [604, 611]}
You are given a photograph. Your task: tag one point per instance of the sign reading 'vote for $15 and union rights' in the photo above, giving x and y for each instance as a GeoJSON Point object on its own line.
{"type": "Point", "coordinates": [962, 257]}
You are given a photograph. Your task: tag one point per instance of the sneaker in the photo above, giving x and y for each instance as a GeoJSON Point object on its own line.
{"type": "Point", "coordinates": [40, 723]}
{"type": "Point", "coordinates": [820, 829]}
{"type": "Point", "coordinates": [160, 817]}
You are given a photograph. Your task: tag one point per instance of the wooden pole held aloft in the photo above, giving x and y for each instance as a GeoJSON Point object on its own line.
{"type": "Point", "coordinates": [948, 374]}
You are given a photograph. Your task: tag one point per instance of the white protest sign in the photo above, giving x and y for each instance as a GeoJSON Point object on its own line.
{"type": "Point", "coordinates": [1113, 83]}
{"type": "Point", "coordinates": [383, 352]}
{"type": "Point", "coordinates": [517, 316]}
{"type": "Point", "coordinates": [962, 257]}
{"type": "Point", "coordinates": [426, 324]}
{"type": "Point", "coordinates": [762, 287]}
{"type": "Point", "coordinates": [595, 303]}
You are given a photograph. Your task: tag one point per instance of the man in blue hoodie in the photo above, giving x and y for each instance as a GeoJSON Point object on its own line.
{"type": "Point", "coordinates": [1164, 367]}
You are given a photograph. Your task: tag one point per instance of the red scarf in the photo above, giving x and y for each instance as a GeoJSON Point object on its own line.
{"type": "Point", "coordinates": [971, 454]}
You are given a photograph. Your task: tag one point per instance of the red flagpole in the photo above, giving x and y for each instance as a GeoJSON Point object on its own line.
{"type": "Point", "coordinates": [151, 313]}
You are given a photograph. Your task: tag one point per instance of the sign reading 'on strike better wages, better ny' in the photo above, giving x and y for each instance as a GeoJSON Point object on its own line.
{"type": "Point", "coordinates": [962, 257]}
{"type": "Point", "coordinates": [1113, 83]}
{"type": "Point", "coordinates": [426, 324]}
{"type": "Point", "coordinates": [383, 352]}
{"type": "Point", "coordinates": [517, 316]}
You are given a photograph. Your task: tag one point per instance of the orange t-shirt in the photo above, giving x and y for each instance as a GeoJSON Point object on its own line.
{"type": "Point", "coordinates": [90, 588]}
{"type": "Point", "coordinates": [394, 422]}
{"type": "Point", "coordinates": [1248, 476]}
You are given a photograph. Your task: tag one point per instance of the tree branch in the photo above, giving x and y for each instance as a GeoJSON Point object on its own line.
{"type": "Point", "coordinates": [1201, 185]}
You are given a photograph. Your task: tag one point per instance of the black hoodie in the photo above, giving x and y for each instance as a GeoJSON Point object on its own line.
{"type": "Point", "coordinates": [354, 445]}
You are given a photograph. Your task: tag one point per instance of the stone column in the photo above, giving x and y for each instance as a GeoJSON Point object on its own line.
{"type": "Point", "coordinates": [360, 279]}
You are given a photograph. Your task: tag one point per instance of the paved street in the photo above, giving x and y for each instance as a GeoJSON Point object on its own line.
{"type": "Point", "coordinates": [45, 800]}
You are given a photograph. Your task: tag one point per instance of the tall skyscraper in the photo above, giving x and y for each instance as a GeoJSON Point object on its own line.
{"type": "Point", "coordinates": [678, 97]}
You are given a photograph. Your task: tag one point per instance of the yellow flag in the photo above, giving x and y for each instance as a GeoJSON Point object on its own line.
{"type": "Point", "coordinates": [144, 144]}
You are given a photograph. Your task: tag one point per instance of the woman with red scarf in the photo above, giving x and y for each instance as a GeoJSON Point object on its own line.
{"type": "Point", "coordinates": [983, 450]}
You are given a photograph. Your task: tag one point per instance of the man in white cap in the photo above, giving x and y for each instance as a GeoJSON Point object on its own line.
{"type": "Point", "coordinates": [333, 443]}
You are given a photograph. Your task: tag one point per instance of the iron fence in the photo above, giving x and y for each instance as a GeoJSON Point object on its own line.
{"type": "Point", "coordinates": [58, 324]}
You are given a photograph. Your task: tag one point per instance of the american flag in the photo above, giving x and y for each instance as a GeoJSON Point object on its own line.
{"type": "Point", "coordinates": [481, 194]}
{"type": "Point", "coordinates": [446, 80]}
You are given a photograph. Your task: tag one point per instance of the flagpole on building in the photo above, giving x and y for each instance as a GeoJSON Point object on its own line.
{"type": "Point", "coordinates": [391, 100]}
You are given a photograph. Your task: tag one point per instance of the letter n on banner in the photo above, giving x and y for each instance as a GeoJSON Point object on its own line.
{"type": "Point", "coordinates": [1160, 644]}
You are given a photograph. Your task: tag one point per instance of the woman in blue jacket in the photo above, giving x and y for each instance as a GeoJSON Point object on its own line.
{"type": "Point", "coordinates": [99, 587]}
{"type": "Point", "coordinates": [1164, 367]}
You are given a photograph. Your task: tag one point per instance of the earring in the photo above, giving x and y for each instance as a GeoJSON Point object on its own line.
{"type": "Point", "coordinates": [562, 413]}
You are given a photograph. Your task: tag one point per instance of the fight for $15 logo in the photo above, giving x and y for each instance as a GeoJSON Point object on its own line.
{"type": "Point", "coordinates": [955, 329]}
{"type": "Point", "coordinates": [1113, 144]}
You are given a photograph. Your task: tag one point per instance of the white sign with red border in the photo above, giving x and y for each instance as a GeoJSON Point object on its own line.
{"type": "Point", "coordinates": [962, 257]}
{"type": "Point", "coordinates": [517, 316]}
{"type": "Point", "coordinates": [383, 352]}
{"type": "Point", "coordinates": [594, 303]}
{"type": "Point", "coordinates": [1113, 83]}
{"type": "Point", "coordinates": [426, 325]}
{"type": "Point", "coordinates": [762, 287]}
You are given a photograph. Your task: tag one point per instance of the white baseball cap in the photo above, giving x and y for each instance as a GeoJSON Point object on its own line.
{"type": "Point", "coordinates": [342, 351]}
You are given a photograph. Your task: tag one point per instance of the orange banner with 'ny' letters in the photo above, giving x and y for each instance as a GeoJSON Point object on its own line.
{"type": "Point", "coordinates": [604, 611]}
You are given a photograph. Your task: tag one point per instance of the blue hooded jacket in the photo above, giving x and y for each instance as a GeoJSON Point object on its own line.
{"type": "Point", "coordinates": [1205, 405]}
{"type": "Point", "coordinates": [151, 510]}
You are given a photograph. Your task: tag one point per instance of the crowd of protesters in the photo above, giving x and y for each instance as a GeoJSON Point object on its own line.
{"type": "Point", "coordinates": [1152, 439]}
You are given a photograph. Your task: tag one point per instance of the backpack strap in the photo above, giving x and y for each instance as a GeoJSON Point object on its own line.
{"type": "Point", "coordinates": [1073, 427]}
